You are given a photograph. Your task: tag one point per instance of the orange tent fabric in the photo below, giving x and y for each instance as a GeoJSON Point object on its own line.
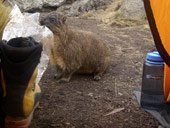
{"type": "Point", "coordinates": [167, 83]}
{"type": "Point", "coordinates": [158, 13]}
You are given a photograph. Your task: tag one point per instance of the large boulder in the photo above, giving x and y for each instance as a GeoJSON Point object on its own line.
{"type": "Point", "coordinates": [81, 6]}
{"type": "Point", "coordinates": [53, 3]}
{"type": "Point", "coordinates": [28, 5]}
{"type": "Point", "coordinates": [132, 8]}
{"type": "Point", "coordinates": [31, 5]}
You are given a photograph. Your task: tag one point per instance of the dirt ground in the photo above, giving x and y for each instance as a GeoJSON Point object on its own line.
{"type": "Point", "coordinates": [84, 103]}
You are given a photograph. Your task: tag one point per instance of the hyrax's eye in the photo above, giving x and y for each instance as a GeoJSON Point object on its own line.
{"type": "Point", "coordinates": [52, 20]}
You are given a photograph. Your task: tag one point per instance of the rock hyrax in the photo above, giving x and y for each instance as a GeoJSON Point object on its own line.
{"type": "Point", "coordinates": [75, 50]}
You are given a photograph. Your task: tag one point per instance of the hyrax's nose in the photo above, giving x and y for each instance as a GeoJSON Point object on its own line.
{"type": "Point", "coordinates": [42, 22]}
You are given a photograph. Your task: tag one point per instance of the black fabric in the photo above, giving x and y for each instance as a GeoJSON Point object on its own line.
{"type": "Point", "coordinates": [18, 49]}
{"type": "Point", "coordinates": [163, 116]}
{"type": "Point", "coordinates": [37, 97]}
{"type": "Point", "coordinates": [18, 65]}
{"type": "Point", "coordinates": [22, 42]}
{"type": "Point", "coordinates": [2, 114]}
{"type": "Point", "coordinates": [155, 33]}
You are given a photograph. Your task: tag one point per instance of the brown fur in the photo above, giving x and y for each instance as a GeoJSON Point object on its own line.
{"type": "Point", "coordinates": [75, 50]}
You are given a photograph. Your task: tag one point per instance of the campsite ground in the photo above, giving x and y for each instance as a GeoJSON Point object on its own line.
{"type": "Point", "coordinates": [84, 103]}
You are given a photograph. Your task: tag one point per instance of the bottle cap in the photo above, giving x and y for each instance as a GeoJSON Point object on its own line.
{"type": "Point", "coordinates": [154, 58]}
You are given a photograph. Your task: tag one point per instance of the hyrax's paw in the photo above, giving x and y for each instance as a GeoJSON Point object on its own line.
{"type": "Point", "coordinates": [57, 77]}
{"type": "Point", "coordinates": [63, 81]}
{"type": "Point", "coordinates": [97, 78]}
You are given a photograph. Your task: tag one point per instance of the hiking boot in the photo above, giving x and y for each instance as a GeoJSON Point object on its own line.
{"type": "Point", "coordinates": [19, 60]}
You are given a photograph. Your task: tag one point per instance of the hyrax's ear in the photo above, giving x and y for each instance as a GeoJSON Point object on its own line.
{"type": "Point", "coordinates": [64, 18]}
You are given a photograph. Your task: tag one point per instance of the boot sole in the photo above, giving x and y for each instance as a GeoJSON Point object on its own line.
{"type": "Point", "coordinates": [23, 123]}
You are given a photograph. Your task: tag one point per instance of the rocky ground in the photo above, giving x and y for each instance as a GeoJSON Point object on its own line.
{"type": "Point", "coordinates": [84, 103]}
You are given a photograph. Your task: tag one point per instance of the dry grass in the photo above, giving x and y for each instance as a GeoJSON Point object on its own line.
{"type": "Point", "coordinates": [146, 26]}
{"type": "Point", "coordinates": [87, 15]}
{"type": "Point", "coordinates": [112, 15]}
{"type": "Point", "coordinates": [111, 12]}
{"type": "Point", "coordinates": [128, 22]}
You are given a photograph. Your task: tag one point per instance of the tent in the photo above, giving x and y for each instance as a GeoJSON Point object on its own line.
{"type": "Point", "coordinates": [158, 14]}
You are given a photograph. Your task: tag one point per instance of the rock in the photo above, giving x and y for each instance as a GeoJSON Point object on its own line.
{"type": "Point", "coordinates": [160, 126]}
{"type": "Point", "coordinates": [70, 1]}
{"type": "Point", "coordinates": [132, 8]}
{"type": "Point", "coordinates": [28, 5]}
{"type": "Point", "coordinates": [129, 8]}
{"type": "Point", "coordinates": [53, 3]}
{"type": "Point", "coordinates": [31, 5]}
{"type": "Point", "coordinates": [81, 6]}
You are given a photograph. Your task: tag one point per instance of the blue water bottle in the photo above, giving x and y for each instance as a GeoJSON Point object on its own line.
{"type": "Point", "coordinates": [152, 94]}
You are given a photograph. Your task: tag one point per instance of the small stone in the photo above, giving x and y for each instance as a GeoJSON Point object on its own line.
{"type": "Point", "coordinates": [67, 123]}
{"type": "Point", "coordinates": [90, 94]}
{"type": "Point", "coordinates": [160, 126]}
